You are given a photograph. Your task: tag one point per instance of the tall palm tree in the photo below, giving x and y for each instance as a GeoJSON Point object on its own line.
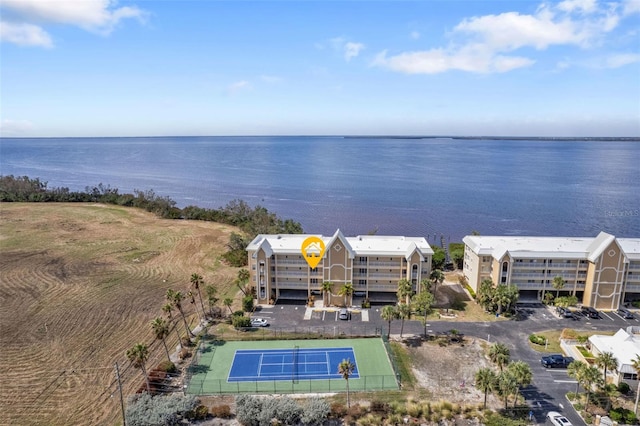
{"type": "Point", "coordinates": [211, 291]}
{"type": "Point", "coordinates": [405, 290]}
{"type": "Point", "coordinates": [523, 375]}
{"type": "Point", "coordinates": [558, 284]}
{"type": "Point", "coordinates": [486, 381]}
{"type": "Point", "coordinates": [499, 354]}
{"type": "Point", "coordinates": [176, 298]}
{"type": "Point", "coordinates": [347, 291]}
{"type": "Point", "coordinates": [192, 300]}
{"type": "Point", "coordinates": [345, 369]}
{"type": "Point", "coordinates": [404, 312]}
{"type": "Point", "coordinates": [576, 370]}
{"type": "Point", "coordinates": [606, 361]}
{"type": "Point", "coordinates": [507, 384]}
{"type": "Point", "coordinates": [389, 313]}
{"type": "Point", "coordinates": [161, 330]}
{"type": "Point", "coordinates": [242, 280]}
{"type": "Point", "coordinates": [197, 282]}
{"type": "Point", "coordinates": [590, 376]}
{"type": "Point", "coordinates": [138, 356]}
{"type": "Point", "coordinates": [228, 302]}
{"type": "Point", "coordinates": [422, 302]}
{"type": "Point", "coordinates": [167, 308]}
{"type": "Point", "coordinates": [437, 277]}
{"type": "Point", "coordinates": [326, 290]}
{"type": "Point", "coordinates": [636, 366]}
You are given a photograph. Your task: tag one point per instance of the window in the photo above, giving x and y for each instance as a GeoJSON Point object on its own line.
{"type": "Point", "coordinates": [362, 282]}
{"type": "Point", "coordinates": [363, 270]}
{"type": "Point", "coordinates": [363, 259]}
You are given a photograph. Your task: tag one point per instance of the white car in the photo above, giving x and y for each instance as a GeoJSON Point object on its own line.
{"type": "Point", "coordinates": [558, 419]}
{"type": "Point", "coordinates": [259, 322]}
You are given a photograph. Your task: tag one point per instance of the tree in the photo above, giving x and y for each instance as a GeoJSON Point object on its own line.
{"type": "Point", "coordinates": [590, 376]}
{"type": "Point", "coordinates": [635, 363]}
{"type": "Point", "coordinates": [438, 258]}
{"type": "Point", "coordinates": [405, 290]}
{"type": "Point", "coordinates": [404, 312]}
{"type": "Point", "coordinates": [523, 375]}
{"type": "Point", "coordinates": [138, 356]}
{"type": "Point", "coordinates": [485, 294]}
{"type": "Point", "coordinates": [504, 297]}
{"type": "Point", "coordinates": [347, 291]}
{"type": "Point", "coordinates": [437, 277]}
{"type": "Point", "coordinates": [389, 313]}
{"type": "Point", "coordinates": [211, 291]}
{"type": "Point", "coordinates": [228, 302]}
{"type": "Point", "coordinates": [345, 369]}
{"type": "Point", "coordinates": [576, 370]}
{"type": "Point", "coordinates": [242, 280]}
{"type": "Point", "coordinates": [499, 354]}
{"type": "Point", "coordinates": [507, 385]}
{"type": "Point", "coordinates": [161, 329]}
{"type": "Point", "coordinates": [167, 308]}
{"type": "Point", "coordinates": [176, 298]}
{"type": "Point", "coordinates": [326, 291]}
{"type": "Point", "coordinates": [558, 284]}
{"type": "Point", "coordinates": [192, 300]}
{"type": "Point", "coordinates": [486, 381]}
{"type": "Point", "coordinates": [422, 303]}
{"type": "Point", "coordinates": [197, 282]}
{"type": "Point", "coordinates": [606, 361]}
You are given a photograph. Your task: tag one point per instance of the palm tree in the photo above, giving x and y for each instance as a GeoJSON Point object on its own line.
{"type": "Point", "coordinates": [192, 300]}
{"type": "Point", "coordinates": [211, 291]}
{"type": "Point", "coordinates": [576, 370]}
{"type": "Point", "coordinates": [405, 290]}
{"type": "Point", "coordinates": [242, 280]}
{"type": "Point", "coordinates": [161, 330]}
{"type": "Point", "coordinates": [507, 384]}
{"type": "Point", "coordinates": [523, 375]}
{"type": "Point", "coordinates": [228, 302]}
{"type": "Point", "coordinates": [558, 284]}
{"type": "Point", "coordinates": [499, 354]}
{"type": "Point", "coordinates": [606, 361]}
{"type": "Point", "coordinates": [176, 298]}
{"type": "Point", "coordinates": [138, 355]}
{"type": "Point", "coordinates": [437, 277]}
{"type": "Point", "coordinates": [346, 290]}
{"type": "Point", "coordinates": [345, 369]}
{"type": "Point", "coordinates": [404, 312]}
{"type": "Point", "coordinates": [389, 313]}
{"type": "Point", "coordinates": [422, 303]}
{"type": "Point", "coordinates": [167, 308]}
{"type": "Point", "coordinates": [326, 290]}
{"type": "Point", "coordinates": [486, 381]}
{"type": "Point", "coordinates": [197, 281]}
{"type": "Point", "coordinates": [636, 366]}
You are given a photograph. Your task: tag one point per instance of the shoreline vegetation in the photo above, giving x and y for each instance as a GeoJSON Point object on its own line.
{"type": "Point", "coordinates": [250, 221]}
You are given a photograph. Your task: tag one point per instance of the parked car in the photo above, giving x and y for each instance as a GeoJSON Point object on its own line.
{"type": "Point", "coordinates": [558, 419]}
{"type": "Point", "coordinates": [556, 361]}
{"type": "Point", "coordinates": [625, 313]}
{"type": "Point", "coordinates": [590, 312]}
{"type": "Point", "coordinates": [344, 314]}
{"type": "Point", "coordinates": [259, 322]}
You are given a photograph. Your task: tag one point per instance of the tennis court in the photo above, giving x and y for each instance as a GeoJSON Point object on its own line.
{"type": "Point", "coordinates": [290, 364]}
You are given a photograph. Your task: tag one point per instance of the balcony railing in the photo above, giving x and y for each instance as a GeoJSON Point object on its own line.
{"type": "Point", "coordinates": [374, 275]}
{"type": "Point", "coordinates": [291, 262]}
{"type": "Point", "coordinates": [292, 285]}
{"type": "Point", "coordinates": [384, 264]}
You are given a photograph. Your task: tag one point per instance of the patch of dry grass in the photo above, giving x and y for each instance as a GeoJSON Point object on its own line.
{"type": "Point", "coordinates": [79, 285]}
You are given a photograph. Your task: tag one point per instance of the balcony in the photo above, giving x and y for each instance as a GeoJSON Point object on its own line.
{"type": "Point", "coordinates": [375, 275]}
{"type": "Point", "coordinates": [300, 274]}
{"type": "Point", "coordinates": [291, 262]}
{"type": "Point", "coordinates": [383, 287]}
{"type": "Point", "coordinates": [287, 285]}
{"type": "Point", "coordinates": [385, 264]}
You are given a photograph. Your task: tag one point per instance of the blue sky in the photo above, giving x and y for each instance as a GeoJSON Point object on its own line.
{"type": "Point", "coordinates": [449, 67]}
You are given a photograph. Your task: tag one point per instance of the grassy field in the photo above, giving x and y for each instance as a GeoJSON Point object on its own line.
{"type": "Point", "coordinates": [79, 284]}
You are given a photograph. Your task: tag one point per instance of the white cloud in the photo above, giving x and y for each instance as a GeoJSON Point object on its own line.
{"type": "Point", "coordinates": [415, 35]}
{"type": "Point", "coordinates": [622, 59]}
{"type": "Point", "coordinates": [24, 34]}
{"type": "Point", "coordinates": [28, 17]}
{"type": "Point", "coordinates": [484, 44]}
{"type": "Point", "coordinates": [9, 127]}
{"type": "Point", "coordinates": [234, 88]}
{"type": "Point", "coordinates": [348, 49]}
{"type": "Point", "coordinates": [631, 6]}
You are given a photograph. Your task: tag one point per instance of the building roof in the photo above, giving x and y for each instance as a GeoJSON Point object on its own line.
{"type": "Point", "coordinates": [624, 345]}
{"type": "Point", "coordinates": [365, 245]}
{"type": "Point", "coordinates": [550, 247]}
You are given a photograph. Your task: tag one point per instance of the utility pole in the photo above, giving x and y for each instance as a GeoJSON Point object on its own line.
{"type": "Point", "coordinates": [124, 420]}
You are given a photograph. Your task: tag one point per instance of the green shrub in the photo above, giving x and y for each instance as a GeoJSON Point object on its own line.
{"type": "Point", "coordinates": [247, 303]}
{"type": "Point", "coordinates": [315, 411]}
{"type": "Point", "coordinates": [241, 322]}
{"type": "Point", "coordinates": [624, 388]}
{"type": "Point", "coordinates": [144, 409]}
{"type": "Point", "coordinates": [286, 410]}
{"type": "Point", "coordinates": [616, 415]}
{"type": "Point", "coordinates": [167, 367]}
{"type": "Point", "coordinates": [238, 313]}
{"type": "Point", "coordinates": [630, 417]}
{"type": "Point", "coordinates": [248, 410]}
{"type": "Point", "coordinates": [537, 340]}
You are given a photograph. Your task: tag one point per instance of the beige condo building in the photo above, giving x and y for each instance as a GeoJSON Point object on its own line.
{"type": "Point", "coordinates": [373, 264]}
{"type": "Point", "coordinates": [603, 272]}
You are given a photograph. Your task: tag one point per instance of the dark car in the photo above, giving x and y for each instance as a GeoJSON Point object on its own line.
{"type": "Point", "coordinates": [625, 313]}
{"type": "Point", "coordinates": [590, 312]}
{"type": "Point", "coordinates": [556, 361]}
{"type": "Point", "coordinates": [566, 313]}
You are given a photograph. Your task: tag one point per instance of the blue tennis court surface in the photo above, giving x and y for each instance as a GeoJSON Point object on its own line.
{"type": "Point", "coordinates": [289, 364]}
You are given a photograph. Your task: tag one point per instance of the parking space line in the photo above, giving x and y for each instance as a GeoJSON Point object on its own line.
{"type": "Point", "coordinates": [605, 314]}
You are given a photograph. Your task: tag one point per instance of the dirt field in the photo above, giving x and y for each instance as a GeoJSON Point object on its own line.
{"type": "Point", "coordinates": [79, 285]}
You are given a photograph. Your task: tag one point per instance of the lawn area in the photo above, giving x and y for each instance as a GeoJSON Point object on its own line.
{"type": "Point", "coordinates": [553, 338]}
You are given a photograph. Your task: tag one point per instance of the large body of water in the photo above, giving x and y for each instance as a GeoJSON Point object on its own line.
{"type": "Point", "coordinates": [416, 187]}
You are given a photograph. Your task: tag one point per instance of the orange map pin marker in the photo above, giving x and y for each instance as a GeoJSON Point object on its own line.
{"type": "Point", "coordinates": [312, 250]}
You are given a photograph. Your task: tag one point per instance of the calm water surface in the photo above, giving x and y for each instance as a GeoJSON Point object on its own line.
{"type": "Point", "coordinates": [424, 187]}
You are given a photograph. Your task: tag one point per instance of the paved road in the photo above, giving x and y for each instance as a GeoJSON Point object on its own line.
{"type": "Point", "coordinates": [549, 386]}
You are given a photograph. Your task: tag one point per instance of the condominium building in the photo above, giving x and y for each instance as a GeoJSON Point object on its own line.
{"type": "Point", "coordinates": [373, 264]}
{"type": "Point", "coordinates": [602, 272]}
